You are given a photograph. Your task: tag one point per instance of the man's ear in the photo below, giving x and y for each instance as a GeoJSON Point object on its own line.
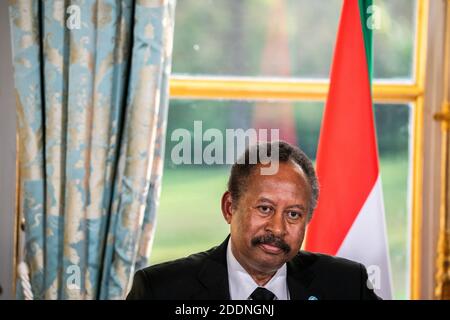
{"type": "Point", "coordinates": [227, 206]}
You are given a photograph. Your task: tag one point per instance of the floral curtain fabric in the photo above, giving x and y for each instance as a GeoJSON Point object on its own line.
{"type": "Point", "coordinates": [91, 83]}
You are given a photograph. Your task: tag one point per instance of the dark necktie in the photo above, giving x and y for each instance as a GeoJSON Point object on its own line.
{"type": "Point", "coordinates": [262, 294]}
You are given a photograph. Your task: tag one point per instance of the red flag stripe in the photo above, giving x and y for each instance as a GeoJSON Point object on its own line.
{"type": "Point", "coordinates": [347, 164]}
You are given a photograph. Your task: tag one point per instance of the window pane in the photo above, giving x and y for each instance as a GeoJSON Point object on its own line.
{"type": "Point", "coordinates": [393, 134]}
{"type": "Point", "coordinates": [295, 38]}
{"type": "Point", "coordinates": [190, 219]}
{"type": "Point", "coordinates": [393, 41]}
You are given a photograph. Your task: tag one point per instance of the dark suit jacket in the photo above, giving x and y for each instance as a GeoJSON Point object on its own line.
{"type": "Point", "coordinates": [204, 276]}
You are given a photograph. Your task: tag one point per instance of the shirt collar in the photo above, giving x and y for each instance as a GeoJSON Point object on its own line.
{"type": "Point", "coordinates": [242, 285]}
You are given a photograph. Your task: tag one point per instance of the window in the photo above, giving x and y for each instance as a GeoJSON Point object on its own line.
{"type": "Point", "coordinates": [229, 64]}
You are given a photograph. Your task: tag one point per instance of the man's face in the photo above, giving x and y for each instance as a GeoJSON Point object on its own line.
{"type": "Point", "coordinates": [268, 222]}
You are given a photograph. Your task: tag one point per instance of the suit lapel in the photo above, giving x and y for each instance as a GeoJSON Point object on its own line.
{"type": "Point", "coordinates": [299, 278]}
{"type": "Point", "coordinates": [214, 275]}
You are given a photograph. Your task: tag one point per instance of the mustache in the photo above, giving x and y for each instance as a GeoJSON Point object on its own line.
{"type": "Point", "coordinates": [271, 240]}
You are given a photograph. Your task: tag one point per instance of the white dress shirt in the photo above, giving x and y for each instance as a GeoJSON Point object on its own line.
{"type": "Point", "coordinates": [242, 285]}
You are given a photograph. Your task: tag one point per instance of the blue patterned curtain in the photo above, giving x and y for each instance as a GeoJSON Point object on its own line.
{"type": "Point", "coordinates": [91, 83]}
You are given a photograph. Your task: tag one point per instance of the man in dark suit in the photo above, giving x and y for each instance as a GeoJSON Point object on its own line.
{"type": "Point", "coordinates": [268, 211]}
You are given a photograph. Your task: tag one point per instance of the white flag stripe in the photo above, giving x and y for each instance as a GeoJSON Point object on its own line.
{"type": "Point", "coordinates": [366, 242]}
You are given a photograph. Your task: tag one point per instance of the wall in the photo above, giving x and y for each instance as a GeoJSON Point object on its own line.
{"type": "Point", "coordinates": [7, 156]}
